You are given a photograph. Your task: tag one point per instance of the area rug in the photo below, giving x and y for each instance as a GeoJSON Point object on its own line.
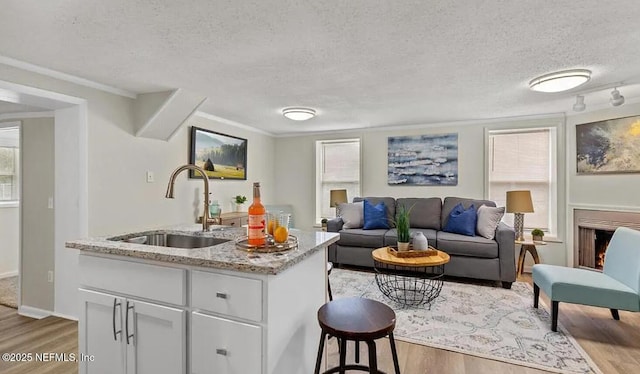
{"type": "Point", "coordinates": [9, 292]}
{"type": "Point", "coordinates": [480, 320]}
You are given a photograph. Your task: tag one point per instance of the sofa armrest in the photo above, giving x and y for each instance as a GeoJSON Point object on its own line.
{"type": "Point", "coordinates": [335, 224]}
{"type": "Point", "coordinates": [506, 236]}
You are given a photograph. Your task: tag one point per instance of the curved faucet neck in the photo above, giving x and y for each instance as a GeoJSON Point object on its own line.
{"type": "Point", "coordinates": [205, 178]}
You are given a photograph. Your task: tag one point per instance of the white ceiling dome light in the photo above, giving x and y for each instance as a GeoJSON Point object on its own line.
{"type": "Point", "coordinates": [560, 81]}
{"type": "Point", "coordinates": [298, 113]}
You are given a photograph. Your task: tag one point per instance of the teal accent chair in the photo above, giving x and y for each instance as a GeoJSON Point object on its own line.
{"type": "Point", "coordinates": [617, 287]}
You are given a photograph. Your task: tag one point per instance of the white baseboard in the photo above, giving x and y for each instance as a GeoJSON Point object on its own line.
{"type": "Point", "coordinates": [65, 316]}
{"type": "Point", "coordinates": [8, 274]}
{"type": "Point", "coordinates": [29, 311]}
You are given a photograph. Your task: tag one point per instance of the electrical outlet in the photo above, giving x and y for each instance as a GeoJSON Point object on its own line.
{"type": "Point", "coordinates": [150, 177]}
{"type": "Point", "coordinates": [50, 276]}
{"type": "Point", "coordinates": [50, 203]}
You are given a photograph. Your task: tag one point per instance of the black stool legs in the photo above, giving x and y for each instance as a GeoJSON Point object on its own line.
{"type": "Point", "coordinates": [323, 337]}
{"type": "Point", "coordinates": [373, 358]}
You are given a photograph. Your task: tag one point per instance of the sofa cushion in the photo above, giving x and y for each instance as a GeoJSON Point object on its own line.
{"type": "Point", "coordinates": [362, 238]}
{"type": "Point", "coordinates": [391, 237]}
{"type": "Point", "coordinates": [488, 220]}
{"type": "Point", "coordinates": [462, 221]}
{"type": "Point", "coordinates": [389, 203]}
{"type": "Point", "coordinates": [425, 212]}
{"type": "Point", "coordinates": [352, 215]}
{"type": "Point", "coordinates": [462, 245]}
{"type": "Point", "coordinates": [375, 217]}
{"type": "Point", "coordinates": [450, 202]}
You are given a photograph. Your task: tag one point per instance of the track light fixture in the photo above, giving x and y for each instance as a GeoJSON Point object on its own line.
{"type": "Point", "coordinates": [579, 106]}
{"type": "Point", "coordinates": [616, 98]}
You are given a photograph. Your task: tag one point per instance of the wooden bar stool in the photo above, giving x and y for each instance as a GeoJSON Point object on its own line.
{"type": "Point", "coordinates": [357, 319]}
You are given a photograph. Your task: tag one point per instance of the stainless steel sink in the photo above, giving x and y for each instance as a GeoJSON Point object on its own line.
{"type": "Point", "coordinates": [174, 240]}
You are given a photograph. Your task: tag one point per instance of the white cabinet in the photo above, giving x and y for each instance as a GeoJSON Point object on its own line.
{"type": "Point", "coordinates": [129, 336]}
{"type": "Point", "coordinates": [100, 333]}
{"type": "Point", "coordinates": [223, 346]}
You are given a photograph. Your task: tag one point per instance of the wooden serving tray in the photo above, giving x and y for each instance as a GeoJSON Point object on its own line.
{"type": "Point", "coordinates": [412, 253]}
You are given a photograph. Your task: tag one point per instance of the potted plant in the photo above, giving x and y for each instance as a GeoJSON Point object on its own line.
{"type": "Point", "coordinates": [239, 200]}
{"type": "Point", "coordinates": [402, 226]}
{"type": "Point", "coordinates": [537, 234]}
{"type": "Point", "coordinates": [324, 224]}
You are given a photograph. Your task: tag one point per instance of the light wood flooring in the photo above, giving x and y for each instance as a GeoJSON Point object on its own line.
{"type": "Point", "coordinates": [613, 345]}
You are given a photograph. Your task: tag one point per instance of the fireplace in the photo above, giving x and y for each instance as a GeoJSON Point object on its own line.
{"type": "Point", "coordinates": [593, 230]}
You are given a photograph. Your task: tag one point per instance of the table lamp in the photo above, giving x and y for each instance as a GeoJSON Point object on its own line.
{"type": "Point", "coordinates": [337, 197]}
{"type": "Point", "coordinates": [518, 203]}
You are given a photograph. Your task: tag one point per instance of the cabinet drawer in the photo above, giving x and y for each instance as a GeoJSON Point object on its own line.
{"type": "Point", "coordinates": [235, 222]}
{"type": "Point", "coordinates": [148, 281]}
{"type": "Point", "coordinates": [226, 294]}
{"type": "Point", "coordinates": [244, 220]}
{"type": "Point", "coordinates": [222, 346]}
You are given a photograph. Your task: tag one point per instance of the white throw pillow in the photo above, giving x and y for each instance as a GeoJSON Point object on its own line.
{"type": "Point", "coordinates": [352, 215]}
{"type": "Point", "coordinates": [488, 220]}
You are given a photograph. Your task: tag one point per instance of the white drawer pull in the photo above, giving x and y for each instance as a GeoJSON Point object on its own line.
{"type": "Point", "coordinates": [221, 351]}
{"type": "Point", "coordinates": [221, 295]}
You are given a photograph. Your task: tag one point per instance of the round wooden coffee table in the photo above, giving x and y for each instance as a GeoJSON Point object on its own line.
{"type": "Point", "coordinates": [409, 281]}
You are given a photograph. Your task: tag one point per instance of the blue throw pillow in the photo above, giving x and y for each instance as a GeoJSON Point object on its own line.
{"type": "Point", "coordinates": [462, 221]}
{"type": "Point", "coordinates": [375, 217]}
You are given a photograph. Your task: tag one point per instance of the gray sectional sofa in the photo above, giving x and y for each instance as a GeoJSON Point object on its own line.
{"type": "Point", "coordinates": [471, 256]}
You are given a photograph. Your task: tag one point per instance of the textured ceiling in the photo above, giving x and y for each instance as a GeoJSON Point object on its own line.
{"type": "Point", "coordinates": [360, 63]}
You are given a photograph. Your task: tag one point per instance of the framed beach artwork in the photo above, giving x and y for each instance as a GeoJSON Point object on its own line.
{"type": "Point", "coordinates": [610, 146]}
{"type": "Point", "coordinates": [422, 160]}
{"type": "Point", "coordinates": [221, 156]}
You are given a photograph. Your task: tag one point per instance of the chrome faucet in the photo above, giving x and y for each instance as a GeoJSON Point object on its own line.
{"type": "Point", "coordinates": [172, 181]}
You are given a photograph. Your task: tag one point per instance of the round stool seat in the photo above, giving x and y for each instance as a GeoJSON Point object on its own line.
{"type": "Point", "coordinates": [356, 318]}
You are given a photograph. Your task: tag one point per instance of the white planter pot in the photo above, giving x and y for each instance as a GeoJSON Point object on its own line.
{"type": "Point", "coordinates": [403, 247]}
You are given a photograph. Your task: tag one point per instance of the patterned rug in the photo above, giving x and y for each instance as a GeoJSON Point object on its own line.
{"type": "Point", "coordinates": [9, 292]}
{"type": "Point", "coordinates": [484, 321]}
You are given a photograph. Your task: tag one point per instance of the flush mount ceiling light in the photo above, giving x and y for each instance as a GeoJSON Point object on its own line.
{"type": "Point", "coordinates": [579, 106]}
{"type": "Point", "coordinates": [299, 114]}
{"type": "Point", "coordinates": [560, 81]}
{"type": "Point", "coordinates": [616, 98]}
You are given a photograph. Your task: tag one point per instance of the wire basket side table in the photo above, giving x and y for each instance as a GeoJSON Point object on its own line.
{"type": "Point", "coordinates": [409, 281]}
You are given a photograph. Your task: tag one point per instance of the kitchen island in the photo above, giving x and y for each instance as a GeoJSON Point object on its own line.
{"type": "Point", "coordinates": [215, 309]}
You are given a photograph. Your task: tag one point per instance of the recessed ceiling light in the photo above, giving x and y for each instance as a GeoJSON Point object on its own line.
{"type": "Point", "coordinates": [560, 81]}
{"type": "Point", "coordinates": [299, 114]}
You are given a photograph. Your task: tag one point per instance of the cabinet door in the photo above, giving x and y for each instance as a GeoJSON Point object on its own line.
{"type": "Point", "coordinates": [100, 333]}
{"type": "Point", "coordinates": [156, 338]}
{"type": "Point", "coordinates": [222, 346]}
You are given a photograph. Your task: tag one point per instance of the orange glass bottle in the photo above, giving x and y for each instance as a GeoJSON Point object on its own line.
{"type": "Point", "coordinates": [257, 217]}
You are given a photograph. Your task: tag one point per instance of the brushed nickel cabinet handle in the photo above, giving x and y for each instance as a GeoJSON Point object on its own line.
{"type": "Point", "coordinates": [126, 324]}
{"type": "Point", "coordinates": [115, 333]}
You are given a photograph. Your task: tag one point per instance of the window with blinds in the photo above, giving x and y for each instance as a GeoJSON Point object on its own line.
{"type": "Point", "coordinates": [9, 154]}
{"type": "Point", "coordinates": [525, 160]}
{"type": "Point", "coordinates": [338, 166]}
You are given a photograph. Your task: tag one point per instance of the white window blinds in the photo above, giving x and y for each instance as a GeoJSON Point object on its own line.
{"type": "Point", "coordinates": [338, 165]}
{"type": "Point", "coordinates": [524, 160]}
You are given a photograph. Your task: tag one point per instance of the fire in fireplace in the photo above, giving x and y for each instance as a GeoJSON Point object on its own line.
{"type": "Point", "coordinates": [602, 239]}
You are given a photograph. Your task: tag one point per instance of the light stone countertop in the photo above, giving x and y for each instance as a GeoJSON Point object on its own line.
{"type": "Point", "coordinates": [221, 256]}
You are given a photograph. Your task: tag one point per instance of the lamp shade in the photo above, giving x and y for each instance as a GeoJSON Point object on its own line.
{"type": "Point", "coordinates": [519, 202]}
{"type": "Point", "coordinates": [337, 197]}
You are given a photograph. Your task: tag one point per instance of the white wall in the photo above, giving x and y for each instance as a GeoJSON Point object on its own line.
{"type": "Point", "coordinates": [37, 186]}
{"type": "Point", "coordinates": [119, 199]}
{"type": "Point", "coordinates": [9, 234]}
{"type": "Point", "coordinates": [298, 153]}
{"type": "Point", "coordinates": [604, 191]}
